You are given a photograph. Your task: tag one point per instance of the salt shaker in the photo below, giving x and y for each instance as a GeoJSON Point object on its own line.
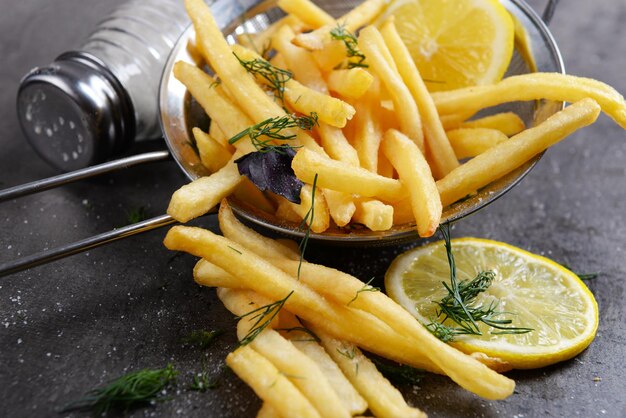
{"type": "Point", "coordinates": [92, 103]}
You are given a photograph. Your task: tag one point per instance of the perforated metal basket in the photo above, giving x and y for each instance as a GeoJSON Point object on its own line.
{"type": "Point", "coordinates": [180, 113]}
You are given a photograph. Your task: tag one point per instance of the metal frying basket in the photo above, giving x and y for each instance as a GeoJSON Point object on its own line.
{"type": "Point", "coordinates": [179, 113]}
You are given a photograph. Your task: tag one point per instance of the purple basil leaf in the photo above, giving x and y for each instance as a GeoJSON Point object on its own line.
{"type": "Point", "coordinates": [271, 169]}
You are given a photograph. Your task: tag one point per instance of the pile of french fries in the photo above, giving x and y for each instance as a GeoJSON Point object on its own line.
{"type": "Point", "coordinates": [385, 150]}
{"type": "Point", "coordinates": [307, 361]}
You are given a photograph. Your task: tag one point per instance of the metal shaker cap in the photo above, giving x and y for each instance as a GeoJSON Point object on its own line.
{"type": "Point", "coordinates": [74, 112]}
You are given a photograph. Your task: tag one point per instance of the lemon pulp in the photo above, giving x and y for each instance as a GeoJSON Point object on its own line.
{"type": "Point", "coordinates": [455, 43]}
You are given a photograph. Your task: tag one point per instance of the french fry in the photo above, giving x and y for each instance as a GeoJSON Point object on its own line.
{"type": "Point", "coordinates": [230, 119]}
{"type": "Point", "coordinates": [336, 145]}
{"type": "Point", "coordinates": [340, 206]}
{"type": "Point", "coordinates": [213, 155]}
{"type": "Point", "coordinates": [534, 86]}
{"type": "Point", "coordinates": [343, 177]}
{"type": "Point", "coordinates": [330, 56]}
{"type": "Point", "coordinates": [313, 210]}
{"type": "Point", "coordinates": [285, 211]}
{"type": "Point", "coordinates": [269, 383]}
{"type": "Point", "coordinates": [403, 212]}
{"type": "Point", "coordinates": [438, 149]}
{"type": "Point", "coordinates": [200, 196]}
{"type": "Point", "coordinates": [298, 60]}
{"type": "Point", "coordinates": [469, 142]}
{"type": "Point", "coordinates": [231, 227]}
{"type": "Point", "coordinates": [308, 343]}
{"type": "Point", "coordinates": [241, 302]}
{"type": "Point", "coordinates": [415, 175]}
{"type": "Point", "coordinates": [267, 411]}
{"type": "Point", "coordinates": [368, 131]}
{"type": "Point", "coordinates": [354, 19]}
{"type": "Point", "coordinates": [350, 398]}
{"type": "Point", "coordinates": [330, 110]}
{"type": "Point", "coordinates": [453, 120]}
{"type": "Point", "coordinates": [258, 42]}
{"type": "Point", "coordinates": [298, 368]}
{"type": "Point", "coordinates": [385, 168]}
{"type": "Point", "coordinates": [512, 153]}
{"type": "Point", "coordinates": [216, 132]}
{"type": "Point", "coordinates": [247, 192]}
{"type": "Point", "coordinates": [306, 11]}
{"type": "Point", "coordinates": [373, 46]}
{"type": "Point", "coordinates": [506, 122]}
{"type": "Point", "coordinates": [209, 275]}
{"type": "Point", "coordinates": [305, 100]}
{"type": "Point", "coordinates": [354, 325]}
{"type": "Point", "coordinates": [374, 214]}
{"type": "Point", "coordinates": [351, 83]}
{"type": "Point", "coordinates": [383, 399]}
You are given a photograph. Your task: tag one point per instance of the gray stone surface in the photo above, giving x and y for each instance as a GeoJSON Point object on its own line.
{"type": "Point", "coordinates": [76, 323]}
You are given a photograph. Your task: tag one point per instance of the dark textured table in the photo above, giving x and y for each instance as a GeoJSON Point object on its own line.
{"type": "Point", "coordinates": [71, 325]}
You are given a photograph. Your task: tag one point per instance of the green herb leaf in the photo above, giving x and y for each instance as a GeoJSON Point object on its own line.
{"type": "Point", "coordinates": [126, 392]}
{"type": "Point", "coordinates": [136, 215]}
{"type": "Point", "coordinates": [201, 338]}
{"type": "Point", "coordinates": [357, 58]}
{"type": "Point", "coordinates": [365, 288]}
{"type": "Point", "coordinates": [276, 77]}
{"type": "Point", "coordinates": [264, 316]}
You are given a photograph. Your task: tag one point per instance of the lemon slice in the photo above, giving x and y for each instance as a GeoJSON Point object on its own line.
{"type": "Point", "coordinates": [455, 43]}
{"type": "Point", "coordinates": [534, 291]}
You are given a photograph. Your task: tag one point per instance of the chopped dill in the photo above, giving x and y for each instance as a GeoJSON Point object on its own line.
{"type": "Point", "coordinates": [126, 392]}
{"type": "Point", "coordinates": [366, 288]}
{"type": "Point", "coordinates": [136, 215]}
{"type": "Point", "coordinates": [276, 77]}
{"type": "Point", "coordinates": [264, 316]}
{"type": "Point", "coordinates": [201, 338]}
{"type": "Point", "coordinates": [216, 83]}
{"type": "Point", "coordinates": [350, 354]}
{"type": "Point", "coordinates": [304, 330]}
{"type": "Point", "coordinates": [308, 221]}
{"type": "Point", "coordinates": [265, 132]}
{"type": "Point", "coordinates": [202, 381]}
{"type": "Point", "coordinates": [582, 276]}
{"type": "Point", "coordinates": [355, 57]}
{"type": "Point", "coordinates": [234, 249]}
{"type": "Point", "coordinates": [459, 304]}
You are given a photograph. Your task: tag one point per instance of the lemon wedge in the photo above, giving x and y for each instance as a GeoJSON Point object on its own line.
{"type": "Point", "coordinates": [531, 290]}
{"type": "Point", "coordinates": [455, 43]}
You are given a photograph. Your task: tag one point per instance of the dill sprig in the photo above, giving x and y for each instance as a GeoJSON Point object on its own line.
{"type": "Point", "coordinates": [366, 288]}
{"type": "Point", "coordinates": [459, 304]}
{"type": "Point", "coordinates": [582, 276]}
{"type": "Point", "coordinates": [276, 77]}
{"type": "Point", "coordinates": [136, 215]}
{"type": "Point", "coordinates": [302, 329]}
{"type": "Point", "coordinates": [340, 33]}
{"type": "Point", "coordinates": [350, 353]}
{"type": "Point", "coordinates": [126, 392]}
{"type": "Point", "coordinates": [201, 338]}
{"type": "Point", "coordinates": [308, 221]}
{"type": "Point", "coordinates": [263, 134]}
{"type": "Point", "coordinates": [264, 316]}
